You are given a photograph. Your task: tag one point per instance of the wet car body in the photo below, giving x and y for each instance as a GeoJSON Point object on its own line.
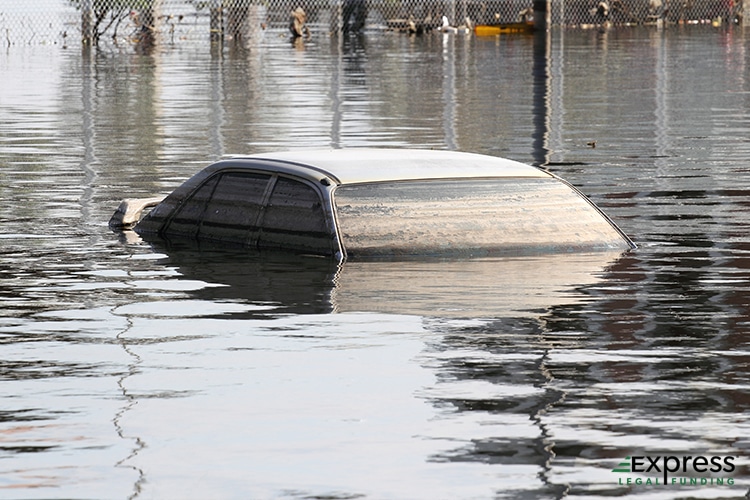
{"type": "Point", "coordinates": [377, 203]}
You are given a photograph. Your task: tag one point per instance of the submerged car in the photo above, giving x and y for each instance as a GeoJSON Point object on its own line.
{"type": "Point", "coordinates": [377, 203]}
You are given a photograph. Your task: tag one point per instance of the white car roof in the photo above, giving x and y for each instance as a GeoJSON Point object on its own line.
{"type": "Point", "coordinates": [360, 165]}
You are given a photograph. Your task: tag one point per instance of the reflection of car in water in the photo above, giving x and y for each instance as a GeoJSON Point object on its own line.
{"type": "Point", "coordinates": [365, 203]}
{"type": "Point", "coordinates": [299, 284]}
{"type": "Point", "coordinates": [277, 282]}
{"type": "Point", "coordinates": [487, 287]}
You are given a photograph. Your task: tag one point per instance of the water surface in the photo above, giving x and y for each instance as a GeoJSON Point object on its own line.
{"type": "Point", "coordinates": [137, 372]}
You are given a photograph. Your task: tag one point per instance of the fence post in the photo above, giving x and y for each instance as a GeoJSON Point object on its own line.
{"type": "Point", "coordinates": [541, 84]}
{"type": "Point", "coordinates": [87, 21]}
{"type": "Point", "coordinates": [217, 24]}
{"type": "Point", "coordinates": [542, 13]}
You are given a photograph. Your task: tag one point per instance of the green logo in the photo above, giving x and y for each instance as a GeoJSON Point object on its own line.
{"type": "Point", "coordinates": [623, 467]}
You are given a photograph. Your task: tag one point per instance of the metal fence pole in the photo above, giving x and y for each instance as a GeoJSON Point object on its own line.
{"type": "Point", "coordinates": [541, 96]}
{"type": "Point", "coordinates": [541, 15]}
{"type": "Point", "coordinates": [87, 21]}
{"type": "Point", "coordinates": [217, 24]}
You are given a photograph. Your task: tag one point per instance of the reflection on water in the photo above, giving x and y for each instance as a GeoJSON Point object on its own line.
{"type": "Point", "coordinates": [468, 288]}
{"type": "Point", "coordinates": [484, 287]}
{"type": "Point", "coordinates": [133, 372]}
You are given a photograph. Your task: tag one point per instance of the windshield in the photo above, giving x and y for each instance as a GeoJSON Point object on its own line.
{"type": "Point", "coordinates": [474, 217]}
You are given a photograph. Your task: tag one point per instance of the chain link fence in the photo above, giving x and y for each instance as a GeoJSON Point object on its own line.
{"type": "Point", "coordinates": [148, 22]}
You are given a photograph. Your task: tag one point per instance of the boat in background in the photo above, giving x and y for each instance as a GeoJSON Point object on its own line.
{"type": "Point", "coordinates": [519, 28]}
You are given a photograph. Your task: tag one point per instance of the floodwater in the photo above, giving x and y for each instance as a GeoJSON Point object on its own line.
{"type": "Point", "coordinates": [137, 372]}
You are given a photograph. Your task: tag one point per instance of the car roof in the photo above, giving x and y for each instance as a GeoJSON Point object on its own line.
{"type": "Point", "coordinates": [362, 165]}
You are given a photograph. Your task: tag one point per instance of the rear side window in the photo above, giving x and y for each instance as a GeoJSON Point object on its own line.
{"type": "Point", "coordinates": [185, 221]}
{"type": "Point", "coordinates": [294, 219]}
{"type": "Point", "coordinates": [232, 213]}
{"type": "Point", "coordinates": [226, 208]}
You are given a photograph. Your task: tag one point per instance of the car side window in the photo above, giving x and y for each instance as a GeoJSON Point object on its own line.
{"type": "Point", "coordinates": [294, 218]}
{"type": "Point", "coordinates": [232, 213]}
{"type": "Point", "coordinates": [184, 222]}
{"type": "Point", "coordinates": [226, 208]}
